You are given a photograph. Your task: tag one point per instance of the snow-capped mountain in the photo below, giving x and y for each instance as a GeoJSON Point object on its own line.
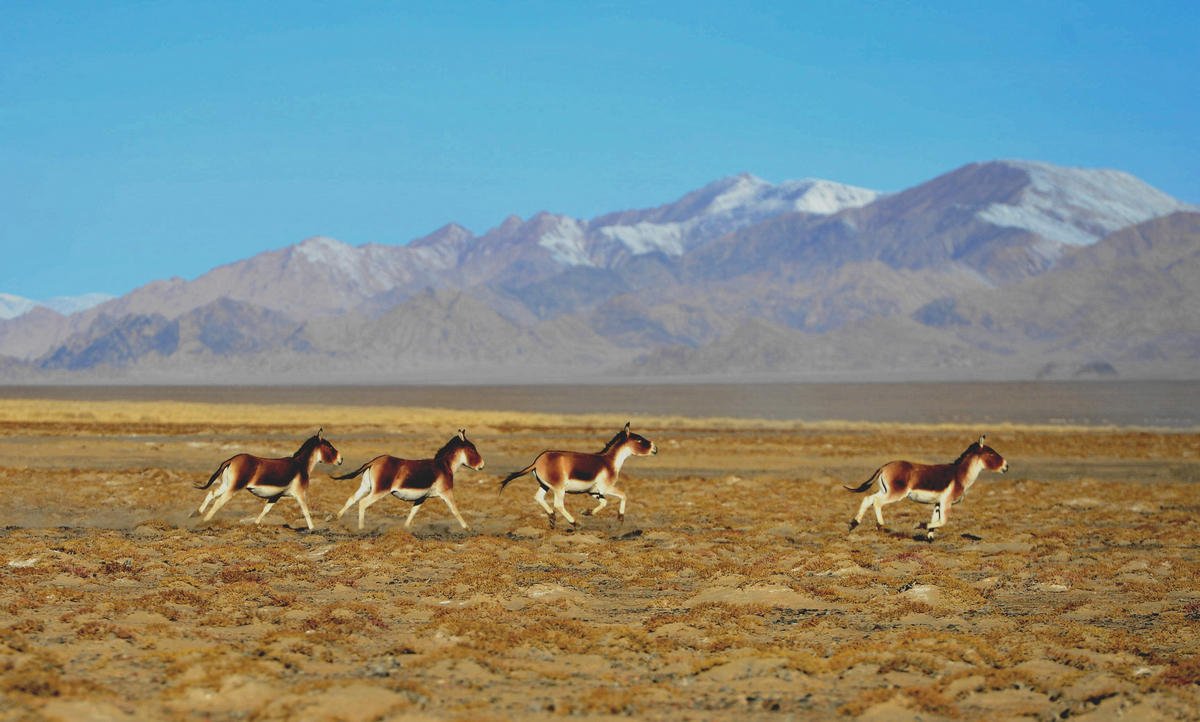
{"type": "Point", "coordinates": [13, 306]}
{"type": "Point", "coordinates": [68, 305]}
{"type": "Point", "coordinates": [1000, 221]}
{"type": "Point", "coordinates": [323, 276]}
{"type": "Point", "coordinates": [721, 207]}
{"type": "Point", "coordinates": [1078, 206]}
{"type": "Point", "coordinates": [740, 274]}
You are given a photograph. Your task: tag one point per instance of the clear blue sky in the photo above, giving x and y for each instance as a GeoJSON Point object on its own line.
{"type": "Point", "coordinates": [141, 140]}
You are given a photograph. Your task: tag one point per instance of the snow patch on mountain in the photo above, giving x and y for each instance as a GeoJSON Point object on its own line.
{"type": "Point", "coordinates": [12, 306]}
{"type": "Point", "coordinates": [1078, 206]}
{"type": "Point", "coordinates": [329, 253]}
{"type": "Point", "coordinates": [747, 195]}
{"type": "Point", "coordinates": [725, 206]}
{"type": "Point", "coordinates": [566, 242]}
{"type": "Point", "coordinates": [825, 198]}
{"type": "Point", "coordinates": [67, 305]}
{"type": "Point", "coordinates": [642, 238]}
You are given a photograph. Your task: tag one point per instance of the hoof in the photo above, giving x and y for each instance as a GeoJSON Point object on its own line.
{"type": "Point", "coordinates": [853, 524]}
{"type": "Point", "coordinates": [620, 518]}
{"type": "Point", "coordinates": [929, 536]}
{"type": "Point", "coordinates": [553, 521]}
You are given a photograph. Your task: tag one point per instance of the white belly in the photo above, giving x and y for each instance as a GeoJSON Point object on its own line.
{"type": "Point", "coordinates": [924, 497]}
{"type": "Point", "coordinates": [412, 494]}
{"type": "Point", "coordinates": [579, 487]}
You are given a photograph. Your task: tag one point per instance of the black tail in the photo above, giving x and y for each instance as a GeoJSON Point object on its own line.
{"type": "Point", "coordinates": [220, 470]}
{"type": "Point", "coordinates": [865, 485]}
{"type": "Point", "coordinates": [352, 474]}
{"type": "Point", "coordinates": [517, 474]}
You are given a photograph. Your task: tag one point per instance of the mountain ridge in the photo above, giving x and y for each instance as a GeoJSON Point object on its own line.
{"type": "Point", "coordinates": [737, 277]}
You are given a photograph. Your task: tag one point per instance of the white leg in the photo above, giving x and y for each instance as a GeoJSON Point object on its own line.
{"type": "Point", "coordinates": [939, 514]}
{"type": "Point", "coordinates": [600, 505]}
{"type": "Point", "coordinates": [264, 512]}
{"type": "Point", "coordinates": [559, 496]}
{"type": "Point", "coordinates": [621, 506]}
{"type": "Point", "coordinates": [449, 499]}
{"type": "Point", "coordinates": [304, 508]}
{"type": "Point", "coordinates": [413, 512]}
{"type": "Point", "coordinates": [220, 502]}
{"type": "Point", "coordinates": [364, 503]}
{"type": "Point", "coordinates": [862, 509]}
{"type": "Point", "coordinates": [208, 498]}
{"type": "Point", "coordinates": [363, 489]}
{"type": "Point", "coordinates": [540, 497]}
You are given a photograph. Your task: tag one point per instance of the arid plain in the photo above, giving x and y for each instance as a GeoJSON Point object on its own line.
{"type": "Point", "coordinates": [1069, 587]}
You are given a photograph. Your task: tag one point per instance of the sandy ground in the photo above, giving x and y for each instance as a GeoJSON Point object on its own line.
{"type": "Point", "coordinates": [1068, 588]}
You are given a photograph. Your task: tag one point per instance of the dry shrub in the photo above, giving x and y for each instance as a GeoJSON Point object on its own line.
{"type": "Point", "coordinates": [27, 626]}
{"type": "Point", "coordinates": [1012, 678]}
{"type": "Point", "coordinates": [931, 699]}
{"type": "Point", "coordinates": [915, 650]}
{"type": "Point", "coordinates": [78, 570]}
{"type": "Point", "coordinates": [102, 630]}
{"type": "Point", "coordinates": [125, 568]}
{"type": "Point", "coordinates": [865, 700]}
{"type": "Point", "coordinates": [334, 621]}
{"type": "Point", "coordinates": [801, 661]}
{"type": "Point", "coordinates": [953, 646]}
{"type": "Point", "coordinates": [41, 676]}
{"type": "Point", "coordinates": [12, 638]}
{"type": "Point", "coordinates": [611, 700]}
{"type": "Point", "coordinates": [1182, 673]}
{"type": "Point", "coordinates": [235, 573]}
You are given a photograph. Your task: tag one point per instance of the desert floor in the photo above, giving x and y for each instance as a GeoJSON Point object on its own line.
{"type": "Point", "coordinates": [1069, 587]}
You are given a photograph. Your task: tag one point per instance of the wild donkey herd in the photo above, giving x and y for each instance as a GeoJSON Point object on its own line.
{"type": "Point", "coordinates": [556, 472]}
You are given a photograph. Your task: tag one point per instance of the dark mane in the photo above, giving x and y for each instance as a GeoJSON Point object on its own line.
{"type": "Point", "coordinates": [612, 442]}
{"type": "Point", "coordinates": [307, 447]}
{"type": "Point", "coordinates": [451, 446]}
{"type": "Point", "coordinates": [970, 450]}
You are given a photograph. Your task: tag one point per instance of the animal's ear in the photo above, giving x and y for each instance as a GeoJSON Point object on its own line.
{"type": "Point", "coordinates": [626, 429]}
{"type": "Point", "coordinates": [982, 437]}
{"type": "Point", "coordinates": [320, 431]}
{"type": "Point", "coordinates": [462, 434]}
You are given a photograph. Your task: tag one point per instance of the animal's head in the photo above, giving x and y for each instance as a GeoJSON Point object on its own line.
{"type": "Point", "coordinates": [324, 450]}
{"type": "Point", "coordinates": [638, 444]}
{"type": "Point", "coordinates": [992, 461]}
{"type": "Point", "coordinates": [460, 443]}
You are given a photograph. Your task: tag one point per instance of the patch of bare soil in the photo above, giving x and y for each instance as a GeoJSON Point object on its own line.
{"type": "Point", "coordinates": [1067, 588]}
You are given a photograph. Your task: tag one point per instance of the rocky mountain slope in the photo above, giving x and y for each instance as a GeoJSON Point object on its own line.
{"type": "Point", "coordinates": [991, 269]}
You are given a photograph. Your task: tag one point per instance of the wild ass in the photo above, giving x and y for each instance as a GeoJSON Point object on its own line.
{"type": "Point", "coordinates": [413, 481]}
{"type": "Point", "coordinates": [573, 472]}
{"type": "Point", "coordinates": [270, 479]}
{"type": "Point", "coordinates": [937, 484]}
